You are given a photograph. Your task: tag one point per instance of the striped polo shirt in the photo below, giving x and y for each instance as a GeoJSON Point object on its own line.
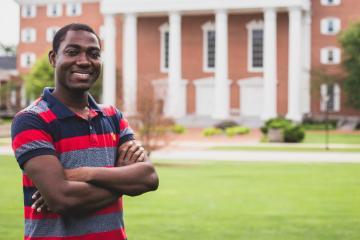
{"type": "Point", "coordinates": [48, 127]}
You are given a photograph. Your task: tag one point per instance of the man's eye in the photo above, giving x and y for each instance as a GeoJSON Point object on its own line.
{"type": "Point", "coordinates": [71, 52]}
{"type": "Point", "coordinates": [95, 54]}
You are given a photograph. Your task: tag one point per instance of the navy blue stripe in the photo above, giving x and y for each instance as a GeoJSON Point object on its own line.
{"type": "Point", "coordinates": [28, 192]}
{"type": "Point", "coordinates": [126, 138]}
{"type": "Point", "coordinates": [27, 121]}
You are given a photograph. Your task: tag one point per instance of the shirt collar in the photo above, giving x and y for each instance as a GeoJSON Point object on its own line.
{"type": "Point", "coordinates": [62, 111]}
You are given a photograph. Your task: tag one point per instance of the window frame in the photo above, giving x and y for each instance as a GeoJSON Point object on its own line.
{"type": "Point", "coordinates": [49, 9]}
{"type": "Point", "coordinates": [324, 25]}
{"type": "Point", "coordinates": [324, 55]}
{"type": "Point", "coordinates": [24, 11]}
{"type": "Point", "coordinates": [336, 98]}
{"type": "Point", "coordinates": [69, 8]}
{"type": "Point", "coordinates": [207, 27]}
{"type": "Point", "coordinates": [24, 59]}
{"type": "Point", "coordinates": [251, 26]}
{"type": "Point", "coordinates": [164, 28]}
{"type": "Point", "coordinates": [28, 35]}
{"type": "Point", "coordinates": [52, 28]}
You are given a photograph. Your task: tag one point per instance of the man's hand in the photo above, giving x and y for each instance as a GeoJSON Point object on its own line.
{"type": "Point", "coordinates": [131, 152]}
{"type": "Point", "coordinates": [39, 202]}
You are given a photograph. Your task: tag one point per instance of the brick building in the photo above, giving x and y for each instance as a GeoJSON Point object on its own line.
{"type": "Point", "coordinates": [209, 59]}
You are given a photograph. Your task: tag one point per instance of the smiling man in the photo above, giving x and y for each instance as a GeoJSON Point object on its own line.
{"type": "Point", "coordinates": [78, 158]}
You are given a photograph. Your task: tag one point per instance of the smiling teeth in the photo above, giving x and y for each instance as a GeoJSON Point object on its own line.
{"type": "Point", "coordinates": [81, 75]}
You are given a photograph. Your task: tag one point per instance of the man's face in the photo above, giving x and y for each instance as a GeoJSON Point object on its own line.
{"type": "Point", "coordinates": [77, 63]}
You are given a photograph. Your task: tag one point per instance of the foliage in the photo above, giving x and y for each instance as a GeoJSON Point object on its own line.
{"type": "Point", "coordinates": [178, 129]}
{"type": "Point", "coordinates": [350, 42]}
{"type": "Point", "coordinates": [40, 76]}
{"type": "Point", "coordinates": [207, 132]}
{"type": "Point", "coordinates": [292, 132]}
{"type": "Point", "coordinates": [237, 130]}
{"type": "Point", "coordinates": [226, 124]}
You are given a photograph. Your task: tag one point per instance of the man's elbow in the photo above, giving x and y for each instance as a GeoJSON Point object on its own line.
{"type": "Point", "coordinates": [152, 180]}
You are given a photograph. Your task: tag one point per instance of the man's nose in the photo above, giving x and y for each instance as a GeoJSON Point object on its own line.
{"type": "Point", "coordinates": [83, 59]}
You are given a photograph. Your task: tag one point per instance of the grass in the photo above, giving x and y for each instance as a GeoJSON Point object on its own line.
{"type": "Point", "coordinates": [215, 200]}
{"type": "Point", "coordinates": [343, 138]}
{"type": "Point", "coordinates": [297, 148]}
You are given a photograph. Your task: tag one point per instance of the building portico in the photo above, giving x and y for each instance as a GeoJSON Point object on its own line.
{"type": "Point", "coordinates": [220, 77]}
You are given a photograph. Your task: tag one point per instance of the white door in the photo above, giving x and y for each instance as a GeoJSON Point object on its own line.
{"type": "Point", "coordinates": [204, 97]}
{"type": "Point", "coordinates": [251, 97]}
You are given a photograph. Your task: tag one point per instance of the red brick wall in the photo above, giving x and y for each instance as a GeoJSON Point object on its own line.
{"type": "Point", "coordinates": [347, 11]}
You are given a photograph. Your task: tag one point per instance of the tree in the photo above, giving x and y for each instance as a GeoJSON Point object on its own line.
{"type": "Point", "coordinates": [40, 76]}
{"type": "Point", "coordinates": [8, 50]}
{"type": "Point", "coordinates": [350, 41]}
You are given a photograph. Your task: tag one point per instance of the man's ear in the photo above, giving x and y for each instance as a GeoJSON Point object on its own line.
{"type": "Point", "coordinates": [52, 58]}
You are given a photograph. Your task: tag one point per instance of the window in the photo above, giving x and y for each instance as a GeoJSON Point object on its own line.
{"type": "Point", "coordinates": [209, 47]}
{"type": "Point", "coordinates": [27, 59]}
{"type": "Point", "coordinates": [330, 97]}
{"type": "Point", "coordinates": [330, 2]}
{"type": "Point", "coordinates": [330, 55]}
{"type": "Point", "coordinates": [164, 47]}
{"type": "Point", "coordinates": [28, 35]}
{"type": "Point", "coordinates": [50, 33]}
{"type": "Point", "coordinates": [28, 11]}
{"type": "Point", "coordinates": [73, 9]}
{"type": "Point", "coordinates": [330, 26]}
{"type": "Point", "coordinates": [54, 10]}
{"type": "Point", "coordinates": [255, 46]}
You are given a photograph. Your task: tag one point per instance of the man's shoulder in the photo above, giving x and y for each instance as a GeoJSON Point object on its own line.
{"type": "Point", "coordinates": [35, 109]}
{"type": "Point", "coordinates": [109, 110]}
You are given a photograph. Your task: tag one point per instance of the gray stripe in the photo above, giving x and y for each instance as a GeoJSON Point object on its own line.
{"type": "Point", "coordinates": [65, 227]}
{"type": "Point", "coordinates": [91, 157]}
{"type": "Point", "coordinates": [33, 146]}
{"type": "Point", "coordinates": [37, 108]}
{"type": "Point", "coordinates": [126, 131]}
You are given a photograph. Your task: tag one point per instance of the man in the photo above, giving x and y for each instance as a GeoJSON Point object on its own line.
{"type": "Point", "coordinates": [78, 158]}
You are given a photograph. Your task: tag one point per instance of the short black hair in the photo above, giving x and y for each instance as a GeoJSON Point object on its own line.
{"type": "Point", "coordinates": [61, 34]}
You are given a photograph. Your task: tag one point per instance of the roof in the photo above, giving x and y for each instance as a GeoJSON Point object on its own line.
{"type": "Point", "coordinates": [8, 62]}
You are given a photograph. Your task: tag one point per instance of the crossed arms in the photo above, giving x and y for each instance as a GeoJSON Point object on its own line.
{"type": "Point", "coordinates": [84, 190]}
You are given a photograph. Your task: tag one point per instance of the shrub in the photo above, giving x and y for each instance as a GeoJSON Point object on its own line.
{"type": "Point", "coordinates": [237, 130]}
{"type": "Point", "coordinates": [226, 124]}
{"type": "Point", "coordinates": [178, 129]}
{"type": "Point", "coordinates": [207, 132]}
{"type": "Point", "coordinates": [294, 134]}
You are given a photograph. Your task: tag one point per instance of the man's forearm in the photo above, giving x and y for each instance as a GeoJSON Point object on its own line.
{"type": "Point", "coordinates": [130, 180]}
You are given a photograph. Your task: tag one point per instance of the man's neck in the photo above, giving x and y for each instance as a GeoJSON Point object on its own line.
{"type": "Point", "coordinates": [76, 100]}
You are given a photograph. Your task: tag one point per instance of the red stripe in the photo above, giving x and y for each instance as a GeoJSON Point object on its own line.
{"type": "Point", "coordinates": [109, 111]}
{"type": "Point", "coordinates": [124, 124]}
{"type": "Point", "coordinates": [33, 214]}
{"type": "Point", "coordinates": [88, 141]}
{"type": "Point", "coordinates": [48, 116]}
{"type": "Point", "coordinates": [118, 234]}
{"type": "Point", "coordinates": [27, 181]}
{"type": "Point", "coordinates": [30, 136]}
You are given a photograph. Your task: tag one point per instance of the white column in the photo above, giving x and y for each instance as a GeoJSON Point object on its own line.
{"type": "Point", "coordinates": [130, 63]}
{"type": "Point", "coordinates": [270, 66]}
{"type": "Point", "coordinates": [174, 86]}
{"type": "Point", "coordinates": [305, 93]}
{"type": "Point", "coordinates": [295, 65]}
{"type": "Point", "coordinates": [221, 86]}
{"type": "Point", "coordinates": [109, 75]}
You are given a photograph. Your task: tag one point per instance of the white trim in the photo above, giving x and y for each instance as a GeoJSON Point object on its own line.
{"type": "Point", "coordinates": [163, 6]}
{"type": "Point", "coordinates": [324, 25]}
{"type": "Point", "coordinates": [253, 25]}
{"type": "Point", "coordinates": [206, 27]}
{"type": "Point", "coordinates": [325, 97]}
{"type": "Point", "coordinates": [50, 33]}
{"type": "Point", "coordinates": [50, 8]}
{"type": "Point", "coordinates": [24, 13]}
{"type": "Point", "coordinates": [70, 6]}
{"type": "Point", "coordinates": [28, 35]}
{"type": "Point", "coordinates": [45, 2]}
{"type": "Point", "coordinates": [325, 52]}
{"type": "Point", "coordinates": [27, 59]}
{"type": "Point", "coordinates": [327, 3]}
{"type": "Point", "coordinates": [163, 29]}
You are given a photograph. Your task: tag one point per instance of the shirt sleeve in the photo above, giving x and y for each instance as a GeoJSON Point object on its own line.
{"type": "Point", "coordinates": [30, 137]}
{"type": "Point", "coordinates": [126, 133]}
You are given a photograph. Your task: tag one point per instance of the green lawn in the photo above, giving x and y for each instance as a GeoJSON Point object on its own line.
{"type": "Point", "coordinates": [297, 148]}
{"type": "Point", "coordinates": [319, 137]}
{"type": "Point", "coordinates": [212, 200]}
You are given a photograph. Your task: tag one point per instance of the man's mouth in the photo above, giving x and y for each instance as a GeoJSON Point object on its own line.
{"type": "Point", "coordinates": [81, 75]}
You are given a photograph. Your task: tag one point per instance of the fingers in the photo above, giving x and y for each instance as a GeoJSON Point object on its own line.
{"type": "Point", "coordinates": [39, 203]}
{"type": "Point", "coordinates": [124, 148]}
{"type": "Point", "coordinates": [131, 152]}
{"type": "Point", "coordinates": [139, 155]}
